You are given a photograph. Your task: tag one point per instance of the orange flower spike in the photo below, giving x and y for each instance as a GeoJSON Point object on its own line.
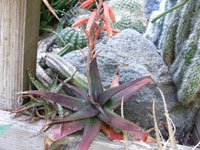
{"type": "Point", "coordinates": [91, 20]}
{"type": "Point", "coordinates": [106, 10]}
{"type": "Point", "coordinates": [108, 27]}
{"type": "Point", "coordinates": [112, 16]}
{"type": "Point", "coordinates": [86, 3]}
{"type": "Point", "coordinates": [81, 21]}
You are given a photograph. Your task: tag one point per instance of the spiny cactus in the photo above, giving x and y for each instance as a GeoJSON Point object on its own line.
{"type": "Point", "coordinates": [185, 24]}
{"type": "Point", "coordinates": [72, 14]}
{"type": "Point", "coordinates": [185, 50]}
{"type": "Point", "coordinates": [125, 4]}
{"type": "Point", "coordinates": [183, 60]}
{"type": "Point", "coordinates": [170, 37]}
{"type": "Point", "coordinates": [70, 35]}
{"type": "Point", "coordinates": [191, 83]}
{"type": "Point", "coordinates": [129, 14]}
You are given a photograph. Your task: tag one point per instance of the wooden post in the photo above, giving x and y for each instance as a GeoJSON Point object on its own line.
{"type": "Point", "coordinates": [19, 28]}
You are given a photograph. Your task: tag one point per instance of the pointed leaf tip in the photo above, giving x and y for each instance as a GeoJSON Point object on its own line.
{"type": "Point", "coordinates": [67, 129]}
{"type": "Point", "coordinates": [118, 121]}
{"type": "Point", "coordinates": [125, 90]}
{"type": "Point", "coordinates": [69, 102]}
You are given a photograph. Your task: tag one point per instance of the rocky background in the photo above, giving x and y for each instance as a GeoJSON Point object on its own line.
{"type": "Point", "coordinates": [168, 50]}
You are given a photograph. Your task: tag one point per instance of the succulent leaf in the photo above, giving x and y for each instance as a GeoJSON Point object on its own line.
{"type": "Point", "coordinates": [67, 129]}
{"type": "Point", "coordinates": [118, 121]}
{"type": "Point", "coordinates": [35, 82]}
{"type": "Point", "coordinates": [95, 80]}
{"type": "Point", "coordinates": [91, 130]}
{"type": "Point", "coordinates": [84, 113]}
{"type": "Point", "coordinates": [125, 94]}
{"type": "Point", "coordinates": [135, 86]}
{"type": "Point", "coordinates": [78, 91]}
{"type": "Point", "coordinates": [69, 102]}
{"type": "Point", "coordinates": [111, 133]}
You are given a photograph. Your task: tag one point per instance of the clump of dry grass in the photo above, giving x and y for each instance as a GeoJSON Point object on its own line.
{"type": "Point", "coordinates": [171, 129]}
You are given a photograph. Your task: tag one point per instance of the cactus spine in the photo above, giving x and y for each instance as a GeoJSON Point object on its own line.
{"type": "Point", "coordinates": [182, 53]}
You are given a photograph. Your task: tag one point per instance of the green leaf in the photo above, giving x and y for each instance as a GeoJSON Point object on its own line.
{"type": "Point", "coordinates": [3, 128]}
{"type": "Point", "coordinates": [35, 82]}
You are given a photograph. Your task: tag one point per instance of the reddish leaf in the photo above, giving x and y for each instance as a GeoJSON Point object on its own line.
{"type": "Point", "coordinates": [69, 102]}
{"type": "Point", "coordinates": [95, 81]}
{"type": "Point", "coordinates": [126, 93]}
{"type": "Point", "coordinates": [118, 121]}
{"type": "Point", "coordinates": [78, 91]}
{"type": "Point", "coordinates": [115, 81]}
{"type": "Point", "coordinates": [67, 129]}
{"type": "Point", "coordinates": [86, 112]}
{"type": "Point", "coordinates": [135, 135]}
{"type": "Point", "coordinates": [138, 83]}
{"type": "Point", "coordinates": [98, 106]}
{"type": "Point", "coordinates": [111, 133]}
{"type": "Point", "coordinates": [91, 130]}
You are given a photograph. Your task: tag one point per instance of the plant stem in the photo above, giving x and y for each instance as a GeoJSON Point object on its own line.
{"type": "Point", "coordinates": [91, 50]}
{"type": "Point", "coordinates": [170, 10]}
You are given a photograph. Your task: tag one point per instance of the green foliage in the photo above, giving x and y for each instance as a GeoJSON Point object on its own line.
{"type": "Point", "coordinates": [46, 18]}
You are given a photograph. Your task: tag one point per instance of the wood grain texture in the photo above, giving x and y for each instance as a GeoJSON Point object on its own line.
{"type": "Point", "coordinates": [18, 137]}
{"type": "Point", "coordinates": [19, 28]}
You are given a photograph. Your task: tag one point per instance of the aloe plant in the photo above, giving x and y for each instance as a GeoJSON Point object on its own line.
{"type": "Point", "coordinates": [93, 108]}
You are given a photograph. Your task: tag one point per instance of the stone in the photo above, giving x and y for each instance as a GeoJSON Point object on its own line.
{"type": "Point", "coordinates": [130, 47]}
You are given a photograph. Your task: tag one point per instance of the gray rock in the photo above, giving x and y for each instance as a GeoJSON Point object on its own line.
{"type": "Point", "coordinates": [131, 48]}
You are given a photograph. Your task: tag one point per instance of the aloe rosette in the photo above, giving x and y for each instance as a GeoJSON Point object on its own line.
{"type": "Point", "coordinates": [93, 107]}
{"type": "Point", "coordinates": [90, 114]}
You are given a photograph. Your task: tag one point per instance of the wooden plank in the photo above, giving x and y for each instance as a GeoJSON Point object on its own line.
{"type": "Point", "coordinates": [19, 27]}
{"type": "Point", "coordinates": [18, 138]}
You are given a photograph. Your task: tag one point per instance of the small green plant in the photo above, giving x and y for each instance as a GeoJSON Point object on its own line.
{"type": "Point", "coordinates": [93, 108]}
{"type": "Point", "coordinates": [51, 8]}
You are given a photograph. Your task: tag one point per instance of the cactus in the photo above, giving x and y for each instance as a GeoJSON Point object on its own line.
{"type": "Point", "coordinates": [182, 53]}
{"type": "Point", "coordinates": [170, 37]}
{"type": "Point", "coordinates": [125, 4]}
{"type": "Point", "coordinates": [71, 16]}
{"type": "Point", "coordinates": [66, 70]}
{"type": "Point", "coordinates": [129, 14]}
{"type": "Point", "coordinates": [191, 82]}
{"type": "Point", "coordinates": [70, 35]}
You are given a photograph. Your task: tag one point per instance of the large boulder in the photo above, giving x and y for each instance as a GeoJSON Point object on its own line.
{"type": "Point", "coordinates": [130, 47]}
